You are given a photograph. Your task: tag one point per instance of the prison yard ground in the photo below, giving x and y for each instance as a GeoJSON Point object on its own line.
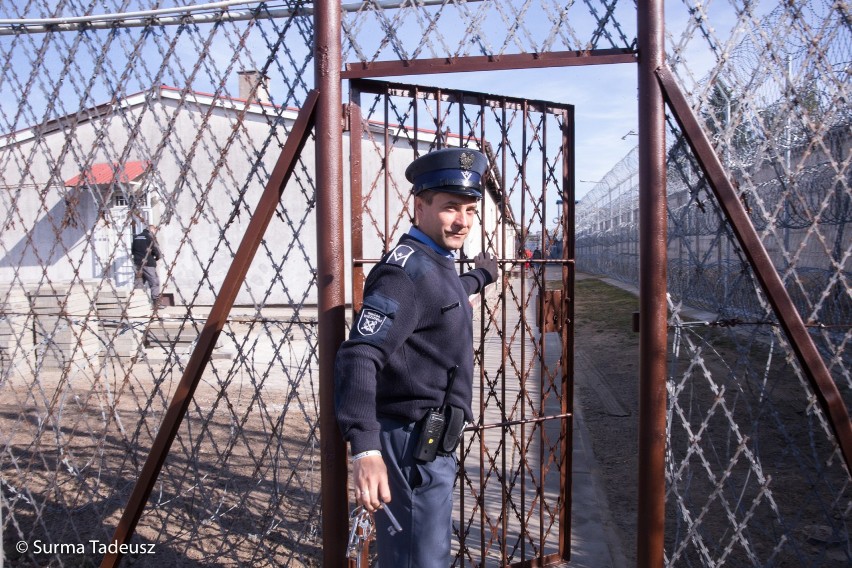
{"type": "Point", "coordinates": [607, 392]}
{"type": "Point", "coordinates": [248, 503]}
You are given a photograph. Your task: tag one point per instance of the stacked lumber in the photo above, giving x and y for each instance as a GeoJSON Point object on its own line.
{"type": "Point", "coordinates": [16, 336]}
{"type": "Point", "coordinates": [67, 333]}
{"type": "Point", "coordinates": [124, 315]}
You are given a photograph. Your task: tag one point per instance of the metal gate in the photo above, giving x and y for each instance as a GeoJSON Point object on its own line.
{"type": "Point", "coordinates": [513, 490]}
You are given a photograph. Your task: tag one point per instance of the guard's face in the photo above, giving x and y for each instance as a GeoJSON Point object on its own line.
{"type": "Point", "coordinates": [448, 219]}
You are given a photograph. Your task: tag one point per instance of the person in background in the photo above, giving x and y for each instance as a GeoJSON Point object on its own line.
{"type": "Point", "coordinates": [408, 365]}
{"type": "Point", "coordinates": [145, 256]}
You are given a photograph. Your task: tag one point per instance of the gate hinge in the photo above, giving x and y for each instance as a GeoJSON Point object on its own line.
{"type": "Point", "coordinates": [552, 319]}
{"type": "Point", "coordinates": [346, 117]}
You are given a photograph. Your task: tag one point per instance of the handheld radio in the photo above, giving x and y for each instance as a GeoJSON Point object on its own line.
{"type": "Point", "coordinates": [433, 425]}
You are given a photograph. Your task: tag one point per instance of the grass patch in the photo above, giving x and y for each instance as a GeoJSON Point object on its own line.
{"type": "Point", "coordinates": [601, 307]}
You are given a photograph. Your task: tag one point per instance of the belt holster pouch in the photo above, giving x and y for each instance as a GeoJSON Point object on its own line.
{"type": "Point", "coordinates": [431, 432]}
{"type": "Point", "coordinates": [453, 430]}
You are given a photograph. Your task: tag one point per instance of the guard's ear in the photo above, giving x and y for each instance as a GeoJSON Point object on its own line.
{"type": "Point", "coordinates": [418, 208]}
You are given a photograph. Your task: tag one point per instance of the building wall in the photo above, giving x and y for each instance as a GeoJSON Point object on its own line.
{"type": "Point", "coordinates": [203, 187]}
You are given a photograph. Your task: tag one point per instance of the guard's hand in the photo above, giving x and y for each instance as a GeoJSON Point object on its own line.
{"type": "Point", "coordinates": [487, 262]}
{"type": "Point", "coordinates": [370, 478]}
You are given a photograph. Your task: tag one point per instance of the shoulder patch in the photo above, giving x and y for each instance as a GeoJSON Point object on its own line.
{"type": "Point", "coordinates": [370, 322]}
{"type": "Point", "coordinates": [414, 262]}
{"type": "Point", "coordinates": [376, 318]}
{"type": "Point", "coordinates": [400, 255]}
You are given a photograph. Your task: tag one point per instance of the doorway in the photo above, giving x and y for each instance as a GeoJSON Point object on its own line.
{"type": "Point", "coordinates": [513, 491]}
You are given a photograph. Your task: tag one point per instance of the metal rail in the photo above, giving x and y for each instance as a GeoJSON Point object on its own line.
{"type": "Point", "coordinates": [466, 64]}
{"type": "Point", "coordinates": [214, 12]}
{"type": "Point", "coordinates": [235, 277]}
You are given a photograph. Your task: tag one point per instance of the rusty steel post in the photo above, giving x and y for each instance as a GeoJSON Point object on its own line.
{"type": "Point", "coordinates": [567, 335]}
{"type": "Point", "coordinates": [652, 287]}
{"type": "Point", "coordinates": [330, 274]}
{"type": "Point", "coordinates": [194, 370]}
{"type": "Point", "coordinates": [356, 199]}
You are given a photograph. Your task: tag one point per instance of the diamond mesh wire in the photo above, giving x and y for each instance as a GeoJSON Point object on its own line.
{"type": "Point", "coordinates": [455, 29]}
{"type": "Point", "coordinates": [169, 125]}
{"type": "Point", "coordinates": [754, 474]}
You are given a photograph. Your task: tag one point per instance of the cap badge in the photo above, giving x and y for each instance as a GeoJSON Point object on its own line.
{"type": "Point", "coordinates": [465, 160]}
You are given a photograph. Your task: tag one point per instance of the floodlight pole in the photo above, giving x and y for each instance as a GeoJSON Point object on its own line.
{"type": "Point", "coordinates": [652, 287]}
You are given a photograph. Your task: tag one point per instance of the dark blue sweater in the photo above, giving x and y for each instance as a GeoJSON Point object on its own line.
{"type": "Point", "coordinates": [415, 324]}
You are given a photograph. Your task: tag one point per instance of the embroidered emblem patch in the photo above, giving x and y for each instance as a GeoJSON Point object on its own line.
{"type": "Point", "coordinates": [370, 322]}
{"type": "Point", "coordinates": [400, 255]}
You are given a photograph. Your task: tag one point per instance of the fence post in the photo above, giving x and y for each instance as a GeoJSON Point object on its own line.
{"type": "Point", "coordinates": [330, 273]}
{"type": "Point", "coordinates": [652, 288]}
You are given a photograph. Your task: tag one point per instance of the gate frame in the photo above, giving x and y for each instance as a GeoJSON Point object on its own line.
{"type": "Point", "coordinates": [559, 307]}
{"type": "Point", "coordinates": [653, 255]}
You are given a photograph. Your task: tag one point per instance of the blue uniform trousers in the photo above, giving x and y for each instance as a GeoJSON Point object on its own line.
{"type": "Point", "coordinates": [421, 500]}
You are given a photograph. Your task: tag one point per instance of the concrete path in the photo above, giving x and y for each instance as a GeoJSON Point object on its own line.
{"type": "Point", "coordinates": [594, 543]}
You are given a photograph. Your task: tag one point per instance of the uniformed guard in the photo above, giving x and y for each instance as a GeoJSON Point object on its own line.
{"type": "Point", "coordinates": [146, 253]}
{"type": "Point", "coordinates": [404, 378]}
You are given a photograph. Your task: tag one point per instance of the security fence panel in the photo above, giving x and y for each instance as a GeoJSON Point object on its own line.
{"type": "Point", "coordinates": [171, 119]}
{"type": "Point", "coordinates": [115, 116]}
{"type": "Point", "coordinates": [513, 489]}
{"type": "Point", "coordinates": [755, 476]}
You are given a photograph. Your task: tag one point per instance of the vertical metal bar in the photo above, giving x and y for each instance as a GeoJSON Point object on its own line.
{"type": "Point", "coordinates": [439, 141]}
{"type": "Point", "coordinates": [330, 274]}
{"type": "Point", "coordinates": [386, 244]}
{"type": "Point", "coordinates": [415, 121]}
{"type": "Point", "coordinates": [544, 372]}
{"type": "Point", "coordinates": [504, 321]}
{"type": "Point", "coordinates": [568, 172]}
{"type": "Point", "coordinates": [460, 102]}
{"type": "Point", "coordinates": [482, 328]}
{"type": "Point", "coordinates": [356, 198]}
{"type": "Point", "coordinates": [234, 278]}
{"type": "Point", "coordinates": [652, 287]}
{"type": "Point", "coordinates": [523, 385]}
{"type": "Point", "coordinates": [809, 358]}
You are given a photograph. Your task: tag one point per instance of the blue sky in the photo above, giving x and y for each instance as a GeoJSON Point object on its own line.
{"type": "Point", "coordinates": [604, 98]}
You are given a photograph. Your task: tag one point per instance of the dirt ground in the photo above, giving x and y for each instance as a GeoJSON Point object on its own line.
{"type": "Point", "coordinates": [602, 324]}
{"type": "Point", "coordinates": [749, 461]}
{"type": "Point", "coordinates": [800, 481]}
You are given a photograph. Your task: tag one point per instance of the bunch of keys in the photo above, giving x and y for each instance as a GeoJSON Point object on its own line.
{"type": "Point", "coordinates": [362, 530]}
{"type": "Point", "coordinates": [359, 535]}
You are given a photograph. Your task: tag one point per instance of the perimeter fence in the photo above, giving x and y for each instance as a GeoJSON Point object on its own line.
{"type": "Point", "coordinates": [754, 477]}
{"type": "Point", "coordinates": [144, 112]}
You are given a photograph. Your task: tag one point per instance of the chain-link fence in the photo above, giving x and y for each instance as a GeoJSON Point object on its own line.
{"type": "Point", "coordinates": [142, 113]}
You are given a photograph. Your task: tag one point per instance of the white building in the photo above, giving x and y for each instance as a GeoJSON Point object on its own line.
{"type": "Point", "coordinates": [192, 164]}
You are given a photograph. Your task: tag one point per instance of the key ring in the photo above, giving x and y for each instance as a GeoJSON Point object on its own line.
{"type": "Point", "coordinates": [362, 528]}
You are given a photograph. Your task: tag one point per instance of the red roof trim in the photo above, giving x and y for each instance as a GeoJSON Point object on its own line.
{"type": "Point", "coordinates": [107, 173]}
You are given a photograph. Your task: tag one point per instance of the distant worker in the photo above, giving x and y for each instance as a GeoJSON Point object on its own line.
{"type": "Point", "coordinates": [145, 257]}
